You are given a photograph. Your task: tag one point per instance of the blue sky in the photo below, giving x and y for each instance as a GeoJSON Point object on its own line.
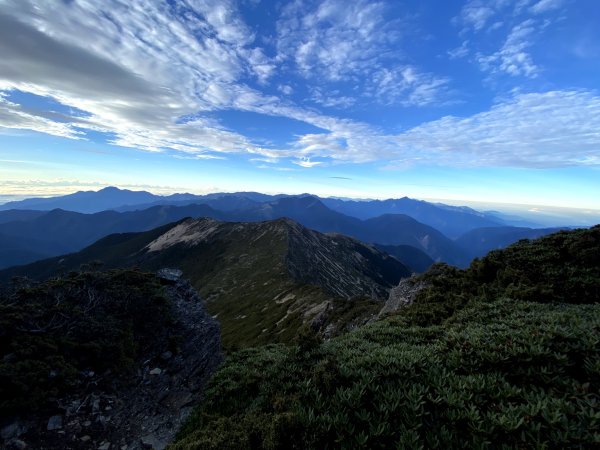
{"type": "Point", "coordinates": [477, 101]}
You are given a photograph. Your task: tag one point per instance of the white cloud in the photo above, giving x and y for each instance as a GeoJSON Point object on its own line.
{"type": "Point", "coordinates": [459, 52]}
{"type": "Point", "coordinates": [13, 116]}
{"type": "Point", "coordinates": [476, 14]}
{"type": "Point", "coordinates": [306, 162]}
{"type": "Point", "coordinates": [148, 73]}
{"type": "Point", "coordinates": [552, 129]}
{"type": "Point", "coordinates": [513, 58]}
{"type": "Point", "coordinates": [285, 89]}
{"type": "Point", "coordinates": [334, 39]}
{"type": "Point", "coordinates": [406, 85]}
{"type": "Point", "coordinates": [357, 42]}
{"type": "Point", "coordinates": [142, 68]}
{"type": "Point", "coordinates": [332, 99]}
{"type": "Point", "coordinates": [142, 75]}
{"type": "Point", "coordinates": [518, 19]}
{"type": "Point", "coordinates": [546, 5]}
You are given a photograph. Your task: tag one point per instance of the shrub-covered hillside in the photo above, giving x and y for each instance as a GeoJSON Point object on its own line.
{"type": "Point", "coordinates": [53, 335]}
{"type": "Point", "coordinates": [505, 354]}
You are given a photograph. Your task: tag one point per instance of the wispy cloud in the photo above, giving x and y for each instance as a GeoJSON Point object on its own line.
{"type": "Point", "coordinates": [552, 129]}
{"type": "Point", "coordinates": [520, 21]}
{"type": "Point", "coordinates": [333, 39]}
{"type": "Point", "coordinates": [459, 52]}
{"type": "Point", "coordinates": [513, 58]}
{"type": "Point", "coordinates": [306, 162]}
{"type": "Point", "coordinates": [546, 5]}
{"type": "Point", "coordinates": [406, 85]}
{"type": "Point", "coordinates": [285, 89]}
{"type": "Point", "coordinates": [332, 99]}
{"type": "Point", "coordinates": [15, 117]}
{"type": "Point", "coordinates": [150, 73]}
{"type": "Point", "coordinates": [476, 13]}
{"type": "Point", "coordinates": [335, 42]}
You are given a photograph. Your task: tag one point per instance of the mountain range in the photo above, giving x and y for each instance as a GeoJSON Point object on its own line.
{"type": "Point", "coordinates": [93, 201]}
{"type": "Point", "coordinates": [480, 241]}
{"type": "Point", "coordinates": [450, 220]}
{"type": "Point", "coordinates": [28, 235]}
{"type": "Point", "coordinates": [66, 231]}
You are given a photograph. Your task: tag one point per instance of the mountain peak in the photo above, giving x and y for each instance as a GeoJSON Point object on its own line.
{"type": "Point", "coordinates": [110, 189]}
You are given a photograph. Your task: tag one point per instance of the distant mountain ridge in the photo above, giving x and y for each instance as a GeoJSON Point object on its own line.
{"type": "Point", "coordinates": [70, 231]}
{"type": "Point", "coordinates": [480, 241]}
{"type": "Point", "coordinates": [113, 198]}
{"type": "Point", "coordinates": [423, 225]}
{"type": "Point", "coordinates": [59, 231]}
{"type": "Point", "coordinates": [84, 201]}
{"type": "Point", "coordinates": [450, 220]}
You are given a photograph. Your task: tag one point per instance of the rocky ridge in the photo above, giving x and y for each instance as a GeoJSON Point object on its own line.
{"type": "Point", "coordinates": [262, 280]}
{"type": "Point", "coordinates": [341, 265]}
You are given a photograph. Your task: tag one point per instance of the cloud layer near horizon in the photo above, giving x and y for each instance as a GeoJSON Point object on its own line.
{"type": "Point", "coordinates": [155, 75]}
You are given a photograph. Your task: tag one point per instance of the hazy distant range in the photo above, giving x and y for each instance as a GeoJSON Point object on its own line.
{"type": "Point", "coordinates": [543, 215]}
{"type": "Point", "coordinates": [532, 215]}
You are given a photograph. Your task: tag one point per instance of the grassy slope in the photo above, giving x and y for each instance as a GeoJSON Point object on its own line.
{"type": "Point", "coordinates": [503, 355]}
{"type": "Point", "coordinates": [244, 281]}
{"type": "Point", "coordinates": [241, 281]}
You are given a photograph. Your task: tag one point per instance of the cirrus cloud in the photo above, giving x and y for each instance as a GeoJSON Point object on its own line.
{"type": "Point", "coordinates": [149, 74]}
{"type": "Point", "coordinates": [551, 129]}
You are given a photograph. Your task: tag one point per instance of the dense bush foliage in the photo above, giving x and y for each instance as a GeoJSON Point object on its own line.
{"type": "Point", "coordinates": [561, 267]}
{"type": "Point", "coordinates": [53, 335]}
{"type": "Point", "coordinates": [503, 355]}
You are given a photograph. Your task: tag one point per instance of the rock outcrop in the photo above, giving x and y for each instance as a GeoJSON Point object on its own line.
{"type": "Point", "coordinates": [402, 295]}
{"type": "Point", "coordinates": [341, 265]}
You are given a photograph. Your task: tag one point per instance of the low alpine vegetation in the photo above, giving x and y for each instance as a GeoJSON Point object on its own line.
{"type": "Point", "coordinates": [505, 354]}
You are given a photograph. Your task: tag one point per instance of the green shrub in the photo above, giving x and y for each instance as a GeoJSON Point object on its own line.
{"type": "Point", "coordinates": [505, 354]}
{"type": "Point", "coordinates": [500, 374]}
{"type": "Point", "coordinates": [50, 333]}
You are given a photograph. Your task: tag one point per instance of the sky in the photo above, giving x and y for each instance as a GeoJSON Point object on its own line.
{"type": "Point", "coordinates": [470, 101]}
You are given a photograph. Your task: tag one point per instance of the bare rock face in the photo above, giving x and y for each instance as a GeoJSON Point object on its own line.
{"type": "Point", "coordinates": [145, 410]}
{"type": "Point", "coordinates": [402, 295]}
{"type": "Point", "coordinates": [170, 387]}
{"type": "Point", "coordinates": [169, 274]}
{"type": "Point", "coordinates": [341, 265]}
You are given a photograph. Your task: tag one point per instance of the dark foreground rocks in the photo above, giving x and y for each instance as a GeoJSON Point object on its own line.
{"type": "Point", "coordinates": [143, 411]}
